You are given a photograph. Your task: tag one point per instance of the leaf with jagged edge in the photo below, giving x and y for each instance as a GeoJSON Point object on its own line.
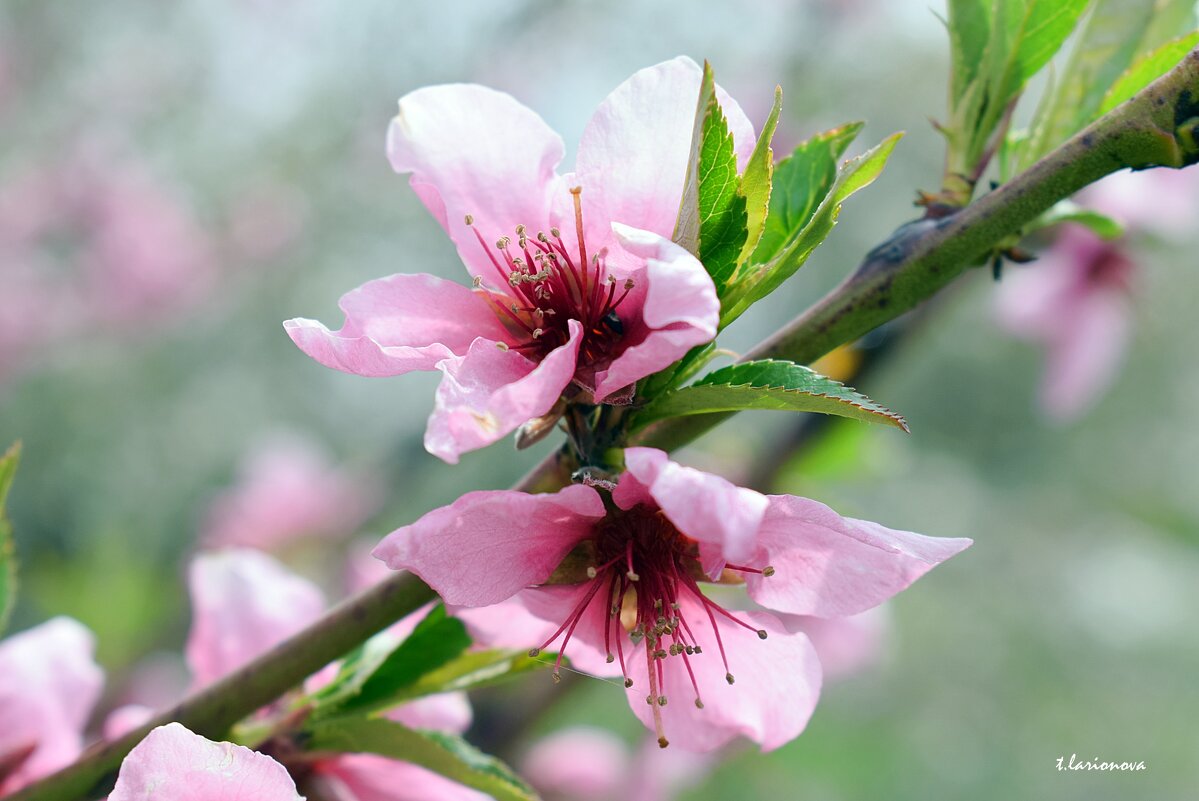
{"type": "Point", "coordinates": [712, 215]}
{"type": "Point", "coordinates": [1116, 33]}
{"type": "Point", "coordinates": [8, 559]}
{"type": "Point", "coordinates": [757, 179]}
{"type": "Point", "coordinates": [1022, 36]}
{"type": "Point", "coordinates": [767, 384]}
{"type": "Point", "coordinates": [444, 754]}
{"type": "Point", "coordinates": [1147, 69]}
{"type": "Point", "coordinates": [801, 181]}
{"type": "Point", "coordinates": [757, 281]}
{"type": "Point", "coordinates": [373, 680]}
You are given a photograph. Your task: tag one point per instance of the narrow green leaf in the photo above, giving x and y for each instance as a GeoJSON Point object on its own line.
{"type": "Point", "coordinates": [435, 641]}
{"type": "Point", "coordinates": [767, 384]}
{"type": "Point", "coordinates": [969, 26]}
{"type": "Point", "coordinates": [760, 280]}
{"type": "Point", "coordinates": [475, 669]}
{"type": "Point", "coordinates": [713, 220]}
{"type": "Point", "coordinates": [1032, 31]}
{"type": "Point", "coordinates": [686, 227]}
{"type": "Point", "coordinates": [1069, 211]}
{"type": "Point", "coordinates": [1147, 69]}
{"type": "Point", "coordinates": [801, 181]}
{"type": "Point", "coordinates": [1116, 34]}
{"type": "Point", "coordinates": [445, 754]}
{"type": "Point", "coordinates": [757, 179]}
{"type": "Point", "coordinates": [8, 559]}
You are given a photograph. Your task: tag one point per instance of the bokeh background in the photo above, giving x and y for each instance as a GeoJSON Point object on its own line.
{"type": "Point", "coordinates": [177, 179]}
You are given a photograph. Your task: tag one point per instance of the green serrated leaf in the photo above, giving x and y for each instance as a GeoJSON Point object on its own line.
{"type": "Point", "coordinates": [8, 559]}
{"type": "Point", "coordinates": [1030, 32]}
{"type": "Point", "coordinates": [1116, 33]}
{"type": "Point", "coordinates": [686, 227]}
{"type": "Point", "coordinates": [436, 640]}
{"type": "Point", "coordinates": [759, 280]}
{"type": "Point", "coordinates": [1147, 69]}
{"type": "Point", "coordinates": [801, 181]}
{"type": "Point", "coordinates": [444, 754]}
{"type": "Point", "coordinates": [767, 384]}
{"type": "Point", "coordinates": [757, 178]}
{"type": "Point", "coordinates": [712, 218]}
{"type": "Point", "coordinates": [1022, 36]}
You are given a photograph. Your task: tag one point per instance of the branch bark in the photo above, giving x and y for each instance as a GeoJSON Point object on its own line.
{"type": "Point", "coordinates": [1157, 127]}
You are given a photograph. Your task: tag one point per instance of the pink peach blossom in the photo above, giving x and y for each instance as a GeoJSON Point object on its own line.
{"type": "Point", "coordinates": [587, 764]}
{"type": "Point", "coordinates": [1076, 302]}
{"type": "Point", "coordinates": [245, 603]}
{"type": "Point", "coordinates": [287, 490]}
{"type": "Point", "coordinates": [587, 310]}
{"type": "Point", "coordinates": [642, 614]}
{"type": "Point", "coordinates": [844, 645]}
{"type": "Point", "coordinates": [173, 764]}
{"type": "Point", "coordinates": [49, 683]}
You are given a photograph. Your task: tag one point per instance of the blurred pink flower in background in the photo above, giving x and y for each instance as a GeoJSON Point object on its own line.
{"type": "Point", "coordinates": [49, 683]}
{"type": "Point", "coordinates": [592, 308]}
{"type": "Point", "coordinates": [93, 241]}
{"type": "Point", "coordinates": [173, 764]}
{"type": "Point", "coordinates": [265, 220]}
{"type": "Point", "coordinates": [287, 489]}
{"type": "Point", "coordinates": [245, 602]}
{"type": "Point", "coordinates": [1076, 300]}
{"type": "Point", "coordinates": [582, 763]}
{"type": "Point", "coordinates": [845, 645]}
{"type": "Point", "coordinates": [755, 678]}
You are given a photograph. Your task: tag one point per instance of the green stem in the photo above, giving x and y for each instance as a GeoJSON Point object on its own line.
{"type": "Point", "coordinates": [917, 261]}
{"type": "Point", "coordinates": [214, 709]}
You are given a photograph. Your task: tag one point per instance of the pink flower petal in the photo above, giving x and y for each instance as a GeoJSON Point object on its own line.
{"type": "Point", "coordinates": [49, 683]}
{"type": "Point", "coordinates": [633, 155]}
{"type": "Point", "coordinates": [473, 150]}
{"type": "Point", "coordinates": [585, 651]}
{"type": "Point", "coordinates": [776, 688]}
{"type": "Point", "coordinates": [243, 604]}
{"type": "Point", "coordinates": [173, 764]}
{"type": "Point", "coordinates": [828, 565]}
{"type": "Point", "coordinates": [125, 719]}
{"type": "Point", "coordinates": [679, 310]}
{"type": "Point", "coordinates": [845, 645]}
{"type": "Point", "coordinates": [705, 507]}
{"type": "Point", "coordinates": [448, 712]}
{"type": "Point", "coordinates": [487, 545]}
{"type": "Point", "coordinates": [507, 625]}
{"type": "Point", "coordinates": [398, 324]}
{"type": "Point", "coordinates": [490, 391]}
{"type": "Point", "coordinates": [580, 763]}
{"type": "Point", "coordinates": [368, 777]}
{"type": "Point", "coordinates": [1085, 355]}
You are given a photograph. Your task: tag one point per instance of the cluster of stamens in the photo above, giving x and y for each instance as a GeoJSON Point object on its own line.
{"type": "Point", "coordinates": [544, 285]}
{"type": "Point", "coordinates": [645, 569]}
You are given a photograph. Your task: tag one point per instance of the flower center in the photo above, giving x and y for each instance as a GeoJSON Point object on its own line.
{"type": "Point", "coordinates": [646, 574]}
{"type": "Point", "coordinates": [545, 284]}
